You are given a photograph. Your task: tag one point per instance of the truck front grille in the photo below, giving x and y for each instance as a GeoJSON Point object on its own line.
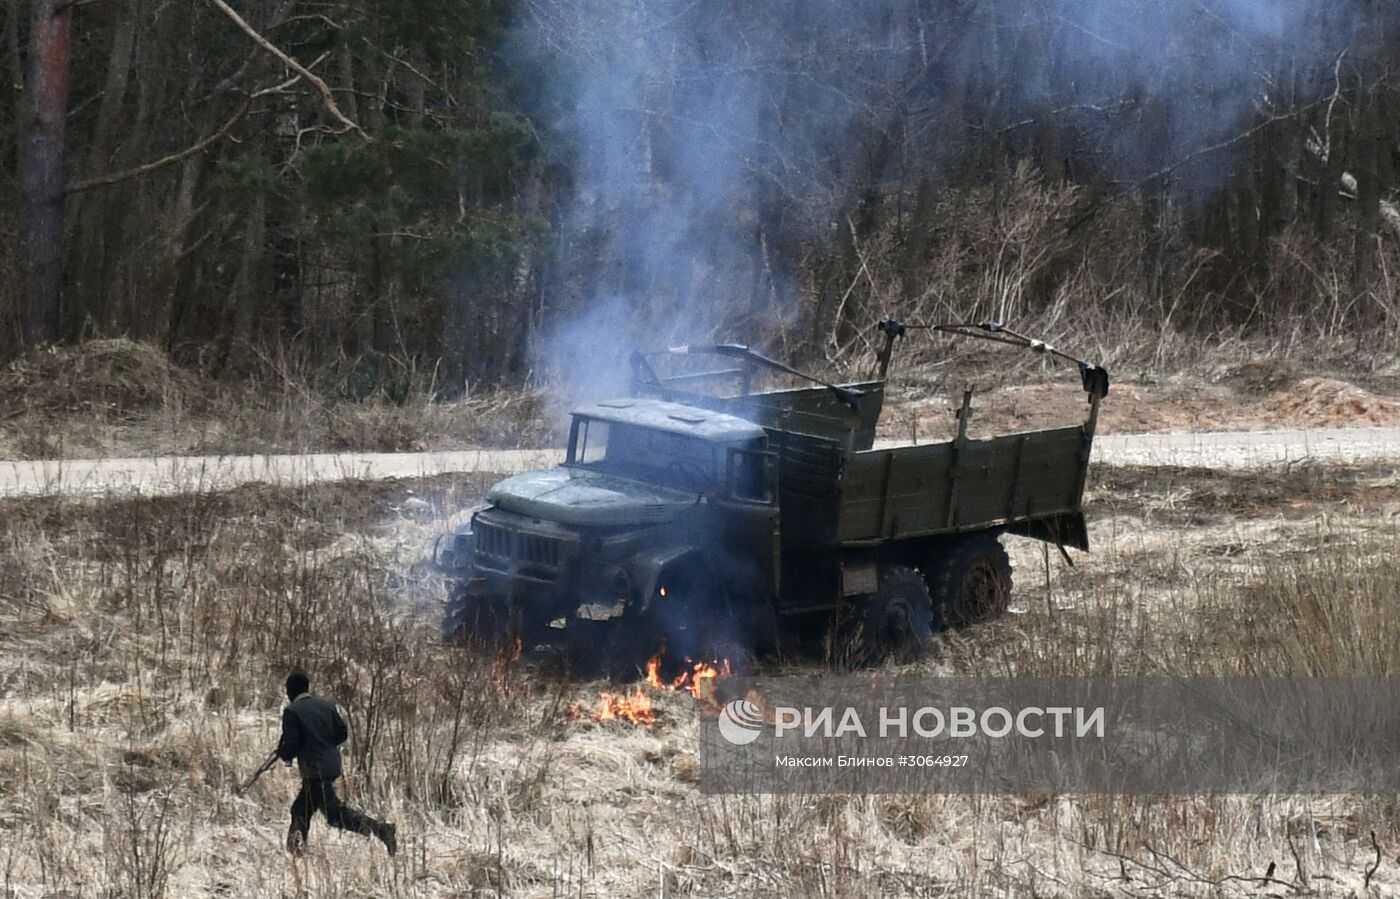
{"type": "Point", "coordinates": [492, 541]}
{"type": "Point", "coordinates": [521, 546]}
{"type": "Point", "coordinates": [538, 550]}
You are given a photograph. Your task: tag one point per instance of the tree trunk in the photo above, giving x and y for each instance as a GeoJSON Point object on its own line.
{"type": "Point", "coordinates": [1368, 198]}
{"type": "Point", "coordinates": [88, 284]}
{"type": "Point", "coordinates": [14, 76]}
{"type": "Point", "coordinates": [171, 303]}
{"type": "Point", "coordinates": [247, 295]}
{"type": "Point", "coordinates": [41, 171]}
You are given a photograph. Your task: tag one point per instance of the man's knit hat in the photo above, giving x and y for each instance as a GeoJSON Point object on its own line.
{"type": "Point", "coordinates": [297, 684]}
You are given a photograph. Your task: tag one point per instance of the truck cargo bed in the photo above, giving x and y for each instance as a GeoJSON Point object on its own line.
{"type": "Point", "coordinates": [961, 485]}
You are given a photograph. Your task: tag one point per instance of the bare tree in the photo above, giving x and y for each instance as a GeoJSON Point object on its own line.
{"type": "Point", "coordinates": [41, 171]}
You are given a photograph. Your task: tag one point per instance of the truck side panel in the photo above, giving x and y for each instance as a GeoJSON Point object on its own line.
{"type": "Point", "coordinates": [961, 485]}
{"type": "Point", "coordinates": [896, 490]}
{"type": "Point", "coordinates": [808, 488]}
{"type": "Point", "coordinates": [813, 411]}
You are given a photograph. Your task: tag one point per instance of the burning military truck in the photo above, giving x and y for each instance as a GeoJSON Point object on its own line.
{"type": "Point", "coordinates": [712, 520]}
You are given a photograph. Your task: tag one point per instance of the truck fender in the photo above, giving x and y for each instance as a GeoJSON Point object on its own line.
{"type": "Point", "coordinates": [453, 551]}
{"type": "Point", "coordinates": [649, 567]}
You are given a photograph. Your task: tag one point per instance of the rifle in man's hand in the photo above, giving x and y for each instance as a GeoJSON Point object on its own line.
{"type": "Point", "coordinates": [263, 769]}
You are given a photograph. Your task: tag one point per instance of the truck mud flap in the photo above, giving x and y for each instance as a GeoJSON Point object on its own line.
{"type": "Point", "coordinates": [1068, 529]}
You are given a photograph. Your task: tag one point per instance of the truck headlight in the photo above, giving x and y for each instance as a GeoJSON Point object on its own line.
{"type": "Point", "coordinates": [619, 583]}
{"type": "Point", "coordinates": [453, 552]}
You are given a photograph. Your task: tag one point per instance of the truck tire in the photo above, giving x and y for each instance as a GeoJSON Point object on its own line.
{"type": "Point", "coordinates": [970, 580]}
{"type": "Point", "coordinates": [454, 618]}
{"type": "Point", "coordinates": [611, 649]}
{"type": "Point", "coordinates": [893, 624]}
{"type": "Point", "coordinates": [699, 622]}
{"type": "Point", "coordinates": [737, 653]}
{"type": "Point", "coordinates": [477, 620]}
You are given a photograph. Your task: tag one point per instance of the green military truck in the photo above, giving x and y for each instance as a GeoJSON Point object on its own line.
{"type": "Point", "coordinates": [710, 520]}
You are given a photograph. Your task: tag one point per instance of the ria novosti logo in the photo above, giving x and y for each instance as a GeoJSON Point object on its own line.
{"type": "Point", "coordinates": [740, 722]}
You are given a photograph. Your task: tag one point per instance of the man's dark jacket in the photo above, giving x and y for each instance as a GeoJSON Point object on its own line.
{"type": "Point", "coordinates": [312, 731]}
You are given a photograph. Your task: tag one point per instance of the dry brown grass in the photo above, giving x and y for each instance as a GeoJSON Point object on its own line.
{"type": "Point", "coordinates": [144, 642]}
{"type": "Point", "coordinates": [1018, 257]}
{"type": "Point", "coordinates": [108, 378]}
{"type": "Point", "coordinates": [1080, 269]}
{"type": "Point", "coordinates": [121, 398]}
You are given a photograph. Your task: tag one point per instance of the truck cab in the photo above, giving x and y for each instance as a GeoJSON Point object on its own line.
{"type": "Point", "coordinates": [659, 508]}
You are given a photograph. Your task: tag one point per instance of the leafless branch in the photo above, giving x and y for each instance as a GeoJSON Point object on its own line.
{"type": "Point", "coordinates": [312, 17]}
{"type": "Point", "coordinates": [400, 61]}
{"type": "Point", "coordinates": [327, 97]}
{"type": "Point", "coordinates": [1173, 870]}
{"type": "Point", "coordinates": [286, 85]}
{"type": "Point", "coordinates": [1331, 103]}
{"type": "Point", "coordinates": [143, 170]}
{"type": "Point", "coordinates": [1226, 144]}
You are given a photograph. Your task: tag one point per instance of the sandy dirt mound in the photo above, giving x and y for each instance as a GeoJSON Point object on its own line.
{"type": "Point", "coordinates": [105, 378]}
{"type": "Point", "coordinates": [1327, 403]}
{"type": "Point", "coordinates": [1262, 376]}
{"type": "Point", "coordinates": [1262, 395]}
{"type": "Point", "coordinates": [1129, 409]}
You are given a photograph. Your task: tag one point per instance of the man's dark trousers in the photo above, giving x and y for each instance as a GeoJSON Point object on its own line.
{"type": "Point", "coordinates": [319, 796]}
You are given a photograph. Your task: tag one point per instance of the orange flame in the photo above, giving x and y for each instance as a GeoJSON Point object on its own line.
{"type": "Point", "coordinates": [501, 667]}
{"type": "Point", "coordinates": [653, 677]}
{"type": "Point", "coordinates": [635, 707]}
{"type": "Point", "coordinates": [699, 680]}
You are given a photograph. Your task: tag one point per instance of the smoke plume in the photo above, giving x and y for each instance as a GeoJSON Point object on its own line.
{"type": "Point", "coordinates": [716, 150]}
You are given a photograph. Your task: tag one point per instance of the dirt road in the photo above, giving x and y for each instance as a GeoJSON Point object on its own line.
{"type": "Point", "coordinates": [185, 474]}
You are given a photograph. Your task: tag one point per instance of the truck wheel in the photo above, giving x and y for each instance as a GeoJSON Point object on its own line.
{"type": "Point", "coordinates": [737, 653]}
{"type": "Point", "coordinates": [480, 620]}
{"type": "Point", "coordinates": [971, 581]}
{"type": "Point", "coordinates": [696, 622]}
{"type": "Point", "coordinates": [611, 649]}
{"type": "Point", "coordinates": [892, 624]}
{"type": "Point", "coordinates": [454, 618]}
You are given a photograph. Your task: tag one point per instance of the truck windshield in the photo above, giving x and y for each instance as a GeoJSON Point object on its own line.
{"type": "Point", "coordinates": [661, 457]}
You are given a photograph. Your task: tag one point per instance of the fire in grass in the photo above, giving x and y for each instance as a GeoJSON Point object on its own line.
{"type": "Point", "coordinates": [504, 663]}
{"type": "Point", "coordinates": [636, 706]}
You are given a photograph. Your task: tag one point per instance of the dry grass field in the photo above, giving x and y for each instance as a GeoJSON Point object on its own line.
{"type": "Point", "coordinates": [117, 398]}
{"type": "Point", "coordinates": [143, 643]}
{"type": "Point", "coordinates": [121, 398]}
